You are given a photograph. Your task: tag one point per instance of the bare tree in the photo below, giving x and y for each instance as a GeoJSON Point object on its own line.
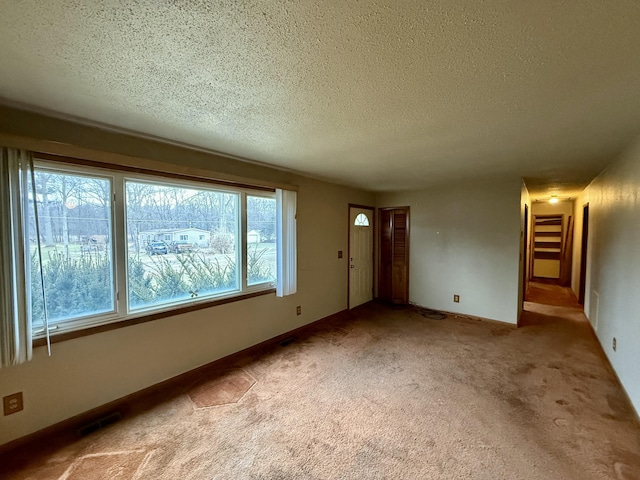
{"type": "Point", "coordinates": [44, 189]}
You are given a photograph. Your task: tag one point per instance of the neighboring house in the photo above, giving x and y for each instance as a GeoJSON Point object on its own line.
{"type": "Point", "coordinates": [195, 236]}
{"type": "Point", "coordinates": [253, 236]}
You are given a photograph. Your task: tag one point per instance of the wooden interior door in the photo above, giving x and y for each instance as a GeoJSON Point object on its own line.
{"type": "Point", "coordinates": [393, 282]}
{"type": "Point", "coordinates": [386, 254]}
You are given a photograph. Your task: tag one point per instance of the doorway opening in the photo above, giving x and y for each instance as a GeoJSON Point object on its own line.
{"type": "Point", "coordinates": [525, 258]}
{"type": "Point", "coordinates": [583, 254]}
{"type": "Point", "coordinates": [551, 235]}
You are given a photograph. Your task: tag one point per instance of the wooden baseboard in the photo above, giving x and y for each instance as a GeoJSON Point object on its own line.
{"type": "Point", "coordinates": [611, 369]}
{"type": "Point", "coordinates": [66, 429]}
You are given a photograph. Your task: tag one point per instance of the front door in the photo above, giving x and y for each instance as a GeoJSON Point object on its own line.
{"type": "Point", "coordinates": [360, 255]}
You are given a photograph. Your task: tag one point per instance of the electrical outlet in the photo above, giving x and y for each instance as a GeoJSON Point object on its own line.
{"type": "Point", "coordinates": [12, 403]}
{"type": "Point", "coordinates": [339, 253]}
{"type": "Point", "coordinates": [298, 310]}
{"type": "Point", "coordinates": [456, 298]}
{"type": "Point", "coordinates": [615, 344]}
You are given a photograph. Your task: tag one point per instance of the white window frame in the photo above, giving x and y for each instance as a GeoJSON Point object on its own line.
{"type": "Point", "coordinates": [246, 236]}
{"type": "Point", "coordinates": [119, 242]}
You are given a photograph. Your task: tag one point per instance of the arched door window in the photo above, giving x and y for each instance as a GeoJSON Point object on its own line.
{"type": "Point", "coordinates": [361, 220]}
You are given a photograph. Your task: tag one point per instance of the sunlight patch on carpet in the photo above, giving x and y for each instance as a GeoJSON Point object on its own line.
{"type": "Point", "coordinates": [107, 466]}
{"type": "Point", "coordinates": [228, 388]}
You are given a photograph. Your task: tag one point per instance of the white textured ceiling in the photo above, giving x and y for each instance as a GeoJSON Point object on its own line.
{"type": "Point", "coordinates": [383, 95]}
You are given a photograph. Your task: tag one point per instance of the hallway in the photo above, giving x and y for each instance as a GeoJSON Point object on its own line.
{"type": "Point", "coordinates": [586, 373]}
{"type": "Point", "coordinates": [548, 303]}
{"type": "Point", "coordinates": [550, 294]}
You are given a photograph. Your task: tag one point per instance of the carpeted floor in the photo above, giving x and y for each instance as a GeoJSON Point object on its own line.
{"type": "Point", "coordinates": [380, 393]}
{"type": "Point", "coordinates": [551, 294]}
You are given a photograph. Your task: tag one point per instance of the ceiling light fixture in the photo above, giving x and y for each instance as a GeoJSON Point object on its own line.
{"type": "Point", "coordinates": [552, 199]}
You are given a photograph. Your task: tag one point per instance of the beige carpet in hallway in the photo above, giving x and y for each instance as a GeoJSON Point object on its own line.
{"type": "Point", "coordinates": [380, 393]}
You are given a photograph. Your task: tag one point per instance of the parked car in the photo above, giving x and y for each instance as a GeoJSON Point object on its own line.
{"type": "Point", "coordinates": [181, 246]}
{"type": "Point", "coordinates": [157, 248]}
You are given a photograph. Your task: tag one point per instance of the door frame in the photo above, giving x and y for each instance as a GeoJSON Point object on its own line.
{"type": "Point", "coordinates": [373, 249]}
{"type": "Point", "coordinates": [525, 259]}
{"type": "Point", "coordinates": [582, 285]}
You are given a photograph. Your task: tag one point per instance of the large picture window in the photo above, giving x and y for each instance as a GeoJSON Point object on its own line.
{"type": "Point", "coordinates": [116, 245]}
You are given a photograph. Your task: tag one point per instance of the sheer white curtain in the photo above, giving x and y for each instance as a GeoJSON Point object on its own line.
{"type": "Point", "coordinates": [15, 322]}
{"type": "Point", "coordinates": [287, 255]}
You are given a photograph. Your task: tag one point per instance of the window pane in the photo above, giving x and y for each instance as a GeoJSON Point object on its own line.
{"type": "Point", "coordinates": [181, 243]}
{"type": "Point", "coordinates": [261, 240]}
{"type": "Point", "coordinates": [361, 220]}
{"type": "Point", "coordinates": [74, 216]}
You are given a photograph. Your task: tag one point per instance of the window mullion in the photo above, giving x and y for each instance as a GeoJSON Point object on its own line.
{"type": "Point", "coordinates": [243, 241]}
{"type": "Point", "coordinates": [119, 245]}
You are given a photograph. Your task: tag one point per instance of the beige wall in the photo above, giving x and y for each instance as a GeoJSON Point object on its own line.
{"type": "Point", "coordinates": [87, 372]}
{"type": "Point", "coordinates": [612, 303]}
{"type": "Point", "coordinates": [106, 146]}
{"type": "Point", "coordinates": [465, 240]}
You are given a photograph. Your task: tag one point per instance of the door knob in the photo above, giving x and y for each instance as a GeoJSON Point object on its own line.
{"type": "Point", "coordinates": [353, 266]}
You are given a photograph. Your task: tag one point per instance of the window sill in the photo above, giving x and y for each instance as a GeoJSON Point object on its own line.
{"type": "Point", "coordinates": [83, 332]}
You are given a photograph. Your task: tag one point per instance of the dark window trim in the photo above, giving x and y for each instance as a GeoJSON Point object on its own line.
{"type": "Point", "coordinates": [83, 332]}
{"type": "Point", "coordinates": [147, 171]}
